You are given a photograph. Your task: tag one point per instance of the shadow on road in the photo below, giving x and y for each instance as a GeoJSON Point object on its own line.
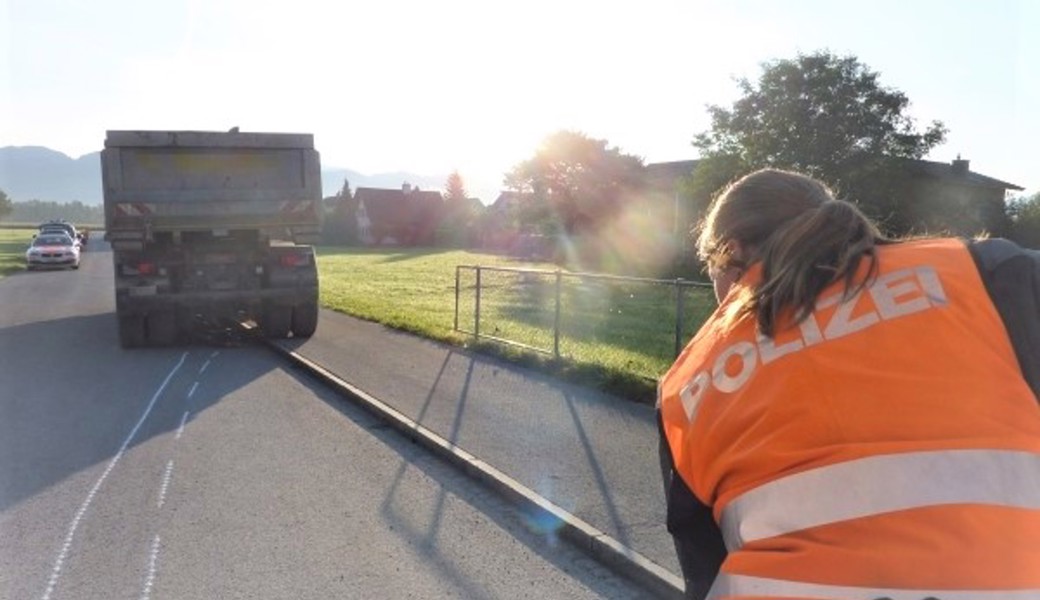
{"type": "Point", "coordinates": [71, 396]}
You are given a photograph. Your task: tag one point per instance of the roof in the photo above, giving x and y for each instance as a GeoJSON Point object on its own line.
{"type": "Point", "coordinates": [398, 207]}
{"type": "Point", "coordinates": [505, 199]}
{"type": "Point", "coordinates": [666, 174]}
{"type": "Point", "coordinates": [675, 168]}
{"type": "Point", "coordinates": [957, 171]}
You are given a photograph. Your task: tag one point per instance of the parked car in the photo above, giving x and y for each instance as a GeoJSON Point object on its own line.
{"type": "Point", "coordinates": [52, 250]}
{"type": "Point", "coordinates": [80, 237]}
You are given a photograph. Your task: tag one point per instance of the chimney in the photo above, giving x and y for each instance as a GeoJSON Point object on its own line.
{"type": "Point", "coordinates": [960, 167]}
{"type": "Point", "coordinates": [406, 187]}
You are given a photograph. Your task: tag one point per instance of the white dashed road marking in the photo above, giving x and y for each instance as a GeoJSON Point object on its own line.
{"type": "Point", "coordinates": [165, 483]}
{"type": "Point", "coordinates": [180, 429]}
{"type": "Point", "coordinates": [153, 561]}
{"type": "Point", "coordinates": [59, 562]}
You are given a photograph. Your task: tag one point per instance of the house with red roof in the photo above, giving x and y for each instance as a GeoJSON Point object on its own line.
{"type": "Point", "coordinates": [397, 217]}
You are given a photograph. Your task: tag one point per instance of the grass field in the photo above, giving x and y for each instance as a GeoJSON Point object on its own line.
{"type": "Point", "coordinates": [13, 243]}
{"type": "Point", "coordinates": [408, 289]}
{"type": "Point", "coordinates": [616, 335]}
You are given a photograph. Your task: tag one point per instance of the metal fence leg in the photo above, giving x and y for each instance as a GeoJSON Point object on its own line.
{"type": "Point", "coordinates": [556, 321]}
{"type": "Point", "coordinates": [678, 315]}
{"type": "Point", "coordinates": [476, 312]}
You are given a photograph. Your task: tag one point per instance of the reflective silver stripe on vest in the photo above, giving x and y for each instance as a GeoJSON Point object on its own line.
{"type": "Point", "coordinates": [727, 585]}
{"type": "Point", "coordinates": [880, 484]}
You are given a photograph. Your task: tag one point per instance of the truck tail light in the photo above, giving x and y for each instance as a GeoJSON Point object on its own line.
{"type": "Point", "coordinates": [141, 268]}
{"type": "Point", "coordinates": [292, 260]}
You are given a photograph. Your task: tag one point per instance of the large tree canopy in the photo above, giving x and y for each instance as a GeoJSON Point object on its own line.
{"type": "Point", "coordinates": [574, 183]}
{"type": "Point", "coordinates": [824, 115]}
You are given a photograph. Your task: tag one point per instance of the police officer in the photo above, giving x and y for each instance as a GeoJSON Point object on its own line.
{"type": "Point", "coordinates": [859, 418]}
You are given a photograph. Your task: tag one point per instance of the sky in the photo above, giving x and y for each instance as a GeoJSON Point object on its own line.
{"type": "Point", "coordinates": [475, 86]}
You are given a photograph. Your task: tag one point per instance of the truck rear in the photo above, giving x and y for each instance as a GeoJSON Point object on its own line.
{"type": "Point", "coordinates": [211, 226]}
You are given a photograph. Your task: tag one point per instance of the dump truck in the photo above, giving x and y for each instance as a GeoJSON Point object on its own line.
{"type": "Point", "coordinates": [208, 228]}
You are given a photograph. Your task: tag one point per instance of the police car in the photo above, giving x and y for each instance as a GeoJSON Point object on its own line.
{"type": "Point", "coordinates": [52, 250]}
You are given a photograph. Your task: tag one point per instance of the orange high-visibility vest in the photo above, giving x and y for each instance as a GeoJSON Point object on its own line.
{"type": "Point", "coordinates": [888, 446]}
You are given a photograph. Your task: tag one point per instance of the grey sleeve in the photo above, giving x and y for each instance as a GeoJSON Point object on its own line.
{"type": "Point", "coordinates": [1011, 275]}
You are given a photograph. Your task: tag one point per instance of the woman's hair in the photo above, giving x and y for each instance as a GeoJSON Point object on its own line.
{"type": "Point", "coordinates": [805, 238]}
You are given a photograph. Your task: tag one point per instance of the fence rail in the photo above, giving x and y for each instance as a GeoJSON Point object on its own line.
{"type": "Point", "coordinates": [540, 310]}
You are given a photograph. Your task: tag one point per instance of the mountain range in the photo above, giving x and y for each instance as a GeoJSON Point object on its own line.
{"type": "Point", "coordinates": [39, 173]}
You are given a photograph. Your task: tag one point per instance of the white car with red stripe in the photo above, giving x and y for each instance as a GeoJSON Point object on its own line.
{"type": "Point", "coordinates": [52, 250]}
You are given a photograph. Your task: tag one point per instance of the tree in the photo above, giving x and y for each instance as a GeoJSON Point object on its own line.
{"type": "Point", "coordinates": [1025, 220]}
{"type": "Point", "coordinates": [459, 215]}
{"type": "Point", "coordinates": [455, 189]}
{"type": "Point", "coordinates": [6, 206]}
{"type": "Point", "coordinates": [824, 115]}
{"type": "Point", "coordinates": [36, 211]}
{"type": "Point", "coordinates": [574, 184]}
{"type": "Point", "coordinates": [340, 226]}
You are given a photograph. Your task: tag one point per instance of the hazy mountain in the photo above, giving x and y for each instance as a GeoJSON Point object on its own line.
{"type": "Point", "coordinates": [38, 173]}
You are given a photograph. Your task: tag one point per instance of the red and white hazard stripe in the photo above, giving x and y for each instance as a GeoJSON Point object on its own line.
{"type": "Point", "coordinates": [134, 209]}
{"type": "Point", "coordinates": [295, 207]}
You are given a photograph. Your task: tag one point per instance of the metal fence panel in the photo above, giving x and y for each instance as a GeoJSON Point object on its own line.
{"type": "Point", "coordinates": [640, 322]}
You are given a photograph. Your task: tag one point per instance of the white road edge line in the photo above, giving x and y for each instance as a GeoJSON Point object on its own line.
{"type": "Point", "coordinates": [191, 392]}
{"type": "Point", "coordinates": [180, 429]}
{"type": "Point", "coordinates": [165, 483]}
{"type": "Point", "coordinates": [52, 582]}
{"type": "Point", "coordinates": [153, 560]}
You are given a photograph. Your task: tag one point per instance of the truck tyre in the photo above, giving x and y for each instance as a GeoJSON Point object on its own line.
{"type": "Point", "coordinates": [162, 328]}
{"type": "Point", "coordinates": [277, 320]}
{"type": "Point", "coordinates": [305, 319]}
{"type": "Point", "coordinates": [131, 331]}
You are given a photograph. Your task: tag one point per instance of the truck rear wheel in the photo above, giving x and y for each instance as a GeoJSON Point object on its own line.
{"type": "Point", "coordinates": [131, 331]}
{"type": "Point", "coordinates": [305, 319]}
{"type": "Point", "coordinates": [277, 320]}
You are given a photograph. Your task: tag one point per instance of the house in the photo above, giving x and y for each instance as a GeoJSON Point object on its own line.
{"type": "Point", "coordinates": [938, 197]}
{"type": "Point", "coordinates": [951, 198]}
{"type": "Point", "coordinates": [663, 195]}
{"type": "Point", "coordinates": [501, 215]}
{"type": "Point", "coordinates": [404, 217]}
{"type": "Point", "coordinates": [501, 229]}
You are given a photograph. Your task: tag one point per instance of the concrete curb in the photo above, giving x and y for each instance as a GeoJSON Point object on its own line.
{"type": "Point", "coordinates": [596, 543]}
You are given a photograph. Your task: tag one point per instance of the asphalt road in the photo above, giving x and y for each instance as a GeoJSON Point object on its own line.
{"type": "Point", "coordinates": [200, 472]}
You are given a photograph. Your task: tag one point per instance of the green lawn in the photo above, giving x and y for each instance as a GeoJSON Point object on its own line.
{"type": "Point", "coordinates": [13, 243]}
{"type": "Point", "coordinates": [408, 289]}
{"type": "Point", "coordinates": [616, 335]}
